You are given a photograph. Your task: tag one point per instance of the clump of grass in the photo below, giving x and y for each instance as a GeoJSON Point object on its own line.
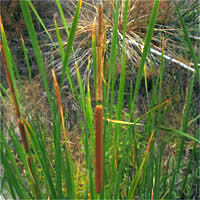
{"type": "Point", "coordinates": [130, 159]}
{"type": "Point", "coordinates": [138, 18]}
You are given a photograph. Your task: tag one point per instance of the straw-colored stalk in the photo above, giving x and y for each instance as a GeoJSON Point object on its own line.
{"type": "Point", "coordinates": [152, 191]}
{"type": "Point", "coordinates": [17, 109]}
{"type": "Point", "coordinates": [100, 47]}
{"type": "Point", "coordinates": [150, 142]}
{"type": "Point", "coordinates": [99, 148]}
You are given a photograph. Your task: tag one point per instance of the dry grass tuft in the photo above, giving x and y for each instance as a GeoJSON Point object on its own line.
{"type": "Point", "coordinates": [138, 18]}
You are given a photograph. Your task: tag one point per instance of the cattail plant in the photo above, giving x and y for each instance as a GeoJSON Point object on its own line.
{"type": "Point", "coordinates": [128, 163]}
{"type": "Point", "coordinates": [99, 106]}
{"type": "Point", "coordinates": [99, 148]}
{"type": "Point", "coordinates": [59, 102]}
{"type": "Point", "coordinates": [8, 70]}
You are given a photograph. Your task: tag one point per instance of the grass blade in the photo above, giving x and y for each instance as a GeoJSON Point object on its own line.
{"type": "Point", "coordinates": [41, 156]}
{"type": "Point", "coordinates": [40, 20]}
{"type": "Point", "coordinates": [33, 38]}
{"type": "Point", "coordinates": [135, 181]}
{"type": "Point", "coordinates": [27, 60]}
{"type": "Point", "coordinates": [145, 51]}
{"type": "Point", "coordinates": [69, 45]}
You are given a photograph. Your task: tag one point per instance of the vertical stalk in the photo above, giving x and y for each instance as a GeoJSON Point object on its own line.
{"type": "Point", "coordinates": [99, 148]}
{"type": "Point", "coordinates": [100, 37]}
{"type": "Point", "coordinates": [10, 85]}
{"type": "Point", "coordinates": [99, 107]}
{"type": "Point", "coordinates": [59, 103]}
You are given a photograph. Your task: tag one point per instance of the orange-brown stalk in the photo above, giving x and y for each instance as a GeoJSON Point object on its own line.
{"type": "Point", "coordinates": [94, 30]}
{"type": "Point", "coordinates": [99, 108]}
{"type": "Point", "coordinates": [23, 134]}
{"type": "Point", "coordinates": [10, 85]}
{"type": "Point", "coordinates": [150, 142]}
{"type": "Point", "coordinates": [59, 102]}
{"type": "Point", "coordinates": [99, 148]}
{"type": "Point", "coordinates": [17, 110]}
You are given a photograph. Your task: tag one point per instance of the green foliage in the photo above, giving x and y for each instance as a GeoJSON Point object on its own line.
{"type": "Point", "coordinates": [139, 161]}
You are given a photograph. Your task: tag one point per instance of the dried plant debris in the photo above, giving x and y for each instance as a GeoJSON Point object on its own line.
{"type": "Point", "coordinates": [167, 26]}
